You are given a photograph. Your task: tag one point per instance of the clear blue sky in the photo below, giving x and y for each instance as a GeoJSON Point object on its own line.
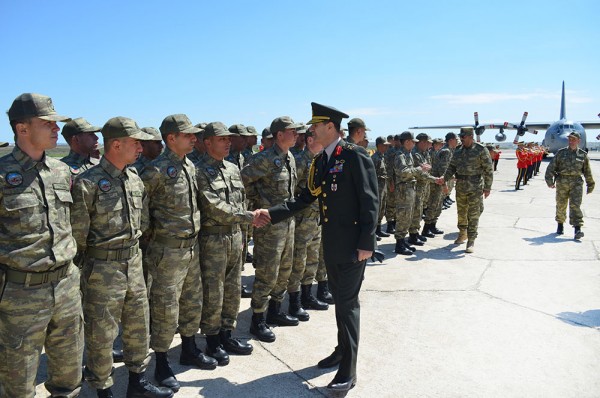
{"type": "Point", "coordinates": [393, 63]}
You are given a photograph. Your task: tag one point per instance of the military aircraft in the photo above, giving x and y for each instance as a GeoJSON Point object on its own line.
{"type": "Point", "coordinates": [478, 128]}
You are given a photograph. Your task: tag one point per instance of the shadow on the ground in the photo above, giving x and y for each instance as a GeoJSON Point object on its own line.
{"type": "Point", "coordinates": [590, 318]}
{"type": "Point", "coordinates": [550, 238]}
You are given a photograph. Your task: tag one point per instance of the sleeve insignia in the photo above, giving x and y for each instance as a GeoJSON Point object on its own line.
{"type": "Point", "coordinates": [15, 179]}
{"type": "Point", "coordinates": [172, 171]}
{"type": "Point", "coordinates": [104, 185]}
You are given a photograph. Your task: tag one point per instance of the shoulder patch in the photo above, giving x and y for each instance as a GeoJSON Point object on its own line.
{"type": "Point", "coordinates": [277, 162]}
{"type": "Point", "coordinates": [172, 171]}
{"type": "Point", "coordinates": [211, 171]}
{"type": "Point", "coordinates": [104, 185]}
{"type": "Point", "coordinates": [14, 179]}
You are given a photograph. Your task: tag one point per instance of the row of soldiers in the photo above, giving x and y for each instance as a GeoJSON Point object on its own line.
{"type": "Point", "coordinates": [529, 159]}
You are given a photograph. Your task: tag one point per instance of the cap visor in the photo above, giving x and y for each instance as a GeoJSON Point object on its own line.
{"type": "Point", "coordinates": [191, 130]}
{"type": "Point", "coordinates": [56, 118]}
{"type": "Point", "coordinates": [3, 144]}
{"type": "Point", "coordinates": [140, 135]}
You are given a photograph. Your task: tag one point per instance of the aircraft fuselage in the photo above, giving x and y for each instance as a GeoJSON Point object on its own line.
{"type": "Point", "coordinates": [556, 136]}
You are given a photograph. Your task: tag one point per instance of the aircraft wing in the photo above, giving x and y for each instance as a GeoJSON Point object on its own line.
{"type": "Point", "coordinates": [457, 126]}
{"type": "Point", "coordinates": [590, 125]}
{"type": "Point", "coordinates": [531, 127]}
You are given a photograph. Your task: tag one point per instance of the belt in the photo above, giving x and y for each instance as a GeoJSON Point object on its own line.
{"type": "Point", "coordinates": [113, 254]}
{"type": "Point", "coordinates": [35, 278]}
{"type": "Point", "coordinates": [407, 182]}
{"type": "Point", "coordinates": [176, 243]}
{"type": "Point", "coordinates": [468, 177]}
{"type": "Point", "coordinates": [219, 229]}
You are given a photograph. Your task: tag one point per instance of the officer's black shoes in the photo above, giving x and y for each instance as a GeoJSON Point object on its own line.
{"type": "Point", "coordinates": [560, 229]}
{"type": "Point", "coordinates": [433, 228]}
{"type": "Point", "coordinates": [117, 355]}
{"type": "Point", "coordinates": [377, 238]}
{"type": "Point", "coordinates": [192, 356]}
{"type": "Point", "coordinates": [249, 258]}
{"type": "Point", "coordinates": [276, 317]}
{"type": "Point", "coordinates": [309, 301]}
{"type": "Point", "coordinates": [323, 293]}
{"type": "Point", "coordinates": [140, 387]}
{"type": "Point", "coordinates": [105, 393]}
{"type": "Point", "coordinates": [234, 346]}
{"type": "Point", "coordinates": [413, 239]}
{"type": "Point", "coordinates": [246, 291]}
{"type": "Point", "coordinates": [331, 361]}
{"type": "Point", "coordinates": [259, 328]}
{"type": "Point", "coordinates": [342, 383]}
{"type": "Point", "coordinates": [391, 227]}
{"type": "Point", "coordinates": [401, 248]}
{"type": "Point", "coordinates": [427, 232]}
{"type": "Point", "coordinates": [215, 350]}
{"type": "Point", "coordinates": [296, 309]}
{"type": "Point", "coordinates": [578, 233]}
{"type": "Point", "coordinates": [380, 233]}
{"type": "Point", "coordinates": [163, 372]}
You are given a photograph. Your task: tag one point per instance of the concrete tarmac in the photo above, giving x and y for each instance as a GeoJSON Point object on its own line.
{"type": "Point", "coordinates": [517, 318]}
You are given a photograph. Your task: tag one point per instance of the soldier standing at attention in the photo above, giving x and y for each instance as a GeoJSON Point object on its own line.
{"type": "Point", "coordinates": [250, 142]}
{"type": "Point", "coordinates": [472, 166]}
{"type": "Point", "coordinates": [390, 201]}
{"type": "Point", "coordinates": [83, 141]}
{"type": "Point", "coordinates": [238, 144]}
{"type": "Point", "coordinates": [300, 140]}
{"type": "Point", "coordinates": [40, 302]}
{"type": "Point", "coordinates": [106, 219]}
{"type": "Point", "coordinates": [270, 179]}
{"type": "Point", "coordinates": [422, 160]}
{"type": "Point", "coordinates": [357, 131]}
{"type": "Point", "coordinates": [172, 253]}
{"type": "Point", "coordinates": [199, 148]}
{"type": "Point", "coordinates": [521, 165]}
{"type": "Point", "coordinates": [151, 148]}
{"type": "Point", "coordinates": [223, 209]}
{"type": "Point", "coordinates": [382, 177]}
{"type": "Point", "coordinates": [440, 160]}
{"type": "Point", "coordinates": [266, 140]}
{"type": "Point", "coordinates": [564, 173]}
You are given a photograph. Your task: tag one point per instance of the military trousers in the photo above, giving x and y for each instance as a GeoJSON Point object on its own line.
{"type": "Point", "coordinates": [345, 281]}
{"type": "Point", "coordinates": [469, 206]}
{"type": "Point", "coordinates": [569, 191]}
{"type": "Point", "coordinates": [307, 239]}
{"type": "Point", "coordinates": [114, 292]}
{"type": "Point", "coordinates": [390, 205]}
{"type": "Point", "coordinates": [382, 201]}
{"type": "Point", "coordinates": [420, 192]}
{"type": "Point", "coordinates": [434, 204]}
{"type": "Point", "coordinates": [176, 293]}
{"type": "Point", "coordinates": [221, 267]}
{"type": "Point", "coordinates": [273, 256]}
{"type": "Point", "coordinates": [405, 203]}
{"type": "Point", "coordinates": [47, 316]}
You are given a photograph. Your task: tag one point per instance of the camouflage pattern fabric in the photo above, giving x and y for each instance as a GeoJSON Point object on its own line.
{"type": "Point", "coordinates": [36, 237]}
{"type": "Point", "coordinates": [390, 205]}
{"type": "Point", "coordinates": [77, 163]}
{"type": "Point", "coordinates": [565, 171]}
{"type": "Point", "coordinates": [405, 181]}
{"type": "Point", "coordinates": [380, 170]}
{"type": "Point", "coordinates": [194, 156]}
{"type": "Point", "coordinates": [439, 163]}
{"type": "Point", "coordinates": [236, 158]}
{"type": "Point", "coordinates": [141, 163]}
{"type": "Point", "coordinates": [424, 179]}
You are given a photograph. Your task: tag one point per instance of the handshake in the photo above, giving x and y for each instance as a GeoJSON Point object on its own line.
{"type": "Point", "coordinates": [261, 218]}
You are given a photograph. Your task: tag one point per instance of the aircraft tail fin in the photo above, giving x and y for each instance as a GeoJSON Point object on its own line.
{"type": "Point", "coordinates": [563, 112]}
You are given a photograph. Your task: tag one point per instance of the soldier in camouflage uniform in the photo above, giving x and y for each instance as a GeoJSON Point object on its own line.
{"type": "Point", "coordinates": [83, 141]}
{"type": "Point", "coordinates": [270, 179]}
{"type": "Point", "coordinates": [307, 240]}
{"type": "Point", "coordinates": [172, 254]}
{"type": "Point", "coordinates": [238, 144]}
{"type": "Point", "coordinates": [106, 219]}
{"type": "Point", "coordinates": [439, 164]}
{"type": "Point", "coordinates": [251, 140]}
{"type": "Point", "coordinates": [421, 159]}
{"type": "Point", "coordinates": [223, 209]}
{"type": "Point", "coordinates": [40, 303]}
{"type": "Point", "coordinates": [471, 164]}
{"type": "Point", "coordinates": [151, 148]}
{"type": "Point", "coordinates": [564, 173]}
{"type": "Point", "coordinates": [382, 177]}
{"type": "Point", "coordinates": [390, 205]}
{"type": "Point", "coordinates": [199, 148]}
{"type": "Point", "coordinates": [300, 140]}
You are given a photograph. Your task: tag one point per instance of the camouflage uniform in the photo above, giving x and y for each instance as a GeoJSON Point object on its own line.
{"type": "Point", "coordinates": [474, 173]}
{"type": "Point", "coordinates": [566, 169]}
{"type": "Point", "coordinates": [236, 158]}
{"type": "Point", "coordinates": [222, 200]}
{"type": "Point", "coordinates": [194, 156]}
{"type": "Point", "coordinates": [77, 163]}
{"type": "Point", "coordinates": [176, 293]}
{"type": "Point", "coordinates": [439, 164]}
{"type": "Point", "coordinates": [423, 180]}
{"type": "Point", "coordinates": [405, 182]}
{"type": "Point", "coordinates": [390, 205]}
{"type": "Point", "coordinates": [270, 179]}
{"type": "Point", "coordinates": [106, 219]}
{"type": "Point", "coordinates": [380, 170]}
{"type": "Point", "coordinates": [141, 163]}
{"type": "Point", "coordinates": [40, 302]}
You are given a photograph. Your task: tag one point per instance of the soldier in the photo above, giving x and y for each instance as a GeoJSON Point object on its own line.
{"type": "Point", "coordinates": [40, 302]}
{"type": "Point", "coordinates": [83, 141]}
{"type": "Point", "coordinates": [357, 131]}
{"type": "Point", "coordinates": [151, 148]}
{"type": "Point", "coordinates": [452, 143]}
{"type": "Point", "coordinates": [106, 219]}
{"type": "Point", "coordinates": [440, 161]}
{"type": "Point", "coordinates": [223, 209]}
{"type": "Point", "coordinates": [270, 179]}
{"type": "Point", "coordinates": [472, 166]}
{"type": "Point", "coordinates": [521, 165]}
{"type": "Point", "coordinates": [251, 140]}
{"type": "Point", "coordinates": [199, 148]}
{"type": "Point", "coordinates": [172, 254]}
{"type": "Point", "coordinates": [307, 241]}
{"type": "Point", "coordinates": [238, 144]}
{"type": "Point", "coordinates": [390, 205]}
{"type": "Point", "coordinates": [564, 173]}
{"type": "Point", "coordinates": [382, 176]}
{"type": "Point", "coordinates": [422, 161]}
{"type": "Point", "coordinates": [266, 141]}
{"type": "Point", "coordinates": [300, 140]}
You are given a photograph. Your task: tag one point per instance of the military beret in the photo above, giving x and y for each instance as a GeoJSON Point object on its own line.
{"type": "Point", "coordinates": [119, 127]}
{"type": "Point", "coordinates": [423, 137]}
{"type": "Point", "coordinates": [78, 126]}
{"type": "Point", "coordinates": [283, 122]}
{"type": "Point", "coordinates": [178, 123]}
{"type": "Point", "coordinates": [217, 129]}
{"type": "Point", "coordinates": [34, 105]}
{"type": "Point", "coordinates": [407, 135]}
{"type": "Point", "coordinates": [324, 113]}
{"type": "Point", "coordinates": [464, 131]}
{"type": "Point", "coordinates": [357, 122]}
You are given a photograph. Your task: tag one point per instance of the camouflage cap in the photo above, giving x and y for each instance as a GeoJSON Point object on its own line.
{"type": "Point", "coordinates": [78, 126]}
{"type": "Point", "coordinates": [252, 130]}
{"type": "Point", "coordinates": [153, 132]}
{"type": "Point", "coordinates": [217, 129]}
{"type": "Point", "coordinates": [574, 134]}
{"type": "Point", "coordinates": [120, 126]}
{"type": "Point", "coordinates": [302, 129]}
{"type": "Point", "coordinates": [424, 137]}
{"type": "Point", "coordinates": [397, 137]}
{"type": "Point", "coordinates": [381, 140]}
{"type": "Point", "coordinates": [357, 122]}
{"type": "Point", "coordinates": [239, 129]}
{"type": "Point", "coordinates": [3, 144]}
{"type": "Point", "coordinates": [450, 136]}
{"type": "Point", "coordinates": [283, 122]}
{"type": "Point", "coordinates": [438, 141]}
{"type": "Point", "coordinates": [34, 105]}
{"type": "Point", "coordinates": [324, 113]}
{"type": "Point", "coordinates": [266, 133]}
{"type": "Point", "coordinates": [464, 131]}
{"type": "Point", "coordinates": [407, 135]}
{"type": "Point", "coordinates": [178, 123]}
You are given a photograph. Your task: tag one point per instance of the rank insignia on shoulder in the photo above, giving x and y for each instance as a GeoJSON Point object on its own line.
{"type": "Point", "coordinates": [277, 162]}
{"type": "Point", "coordinates": [14, 179]}
{"type": "Point", "coordinates": [338, 150]}
{"type": "Point", "coordinates": [211, 171]}
{"type": "Point", "coordinates": [172, 171]}
{"type": "Point", "coordinates": [104, 185]}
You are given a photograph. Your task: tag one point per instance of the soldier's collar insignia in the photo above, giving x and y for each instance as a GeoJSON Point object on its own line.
{"type": "Point", "coordinates": [211, 171]}
{"type": "Point", "coordinates": [14, 179]}
{"type": "Point", "coordinates": [338, 151]}
{"type": "Point", "coordinates": [172, 171]}
{"type": "Point", "coordinates": [277, 162]}
{"type": "Point", "coordinates": [104, 185]}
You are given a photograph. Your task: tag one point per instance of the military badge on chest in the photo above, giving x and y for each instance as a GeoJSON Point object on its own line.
{"type": "Point", "coordinates": [172, 171]}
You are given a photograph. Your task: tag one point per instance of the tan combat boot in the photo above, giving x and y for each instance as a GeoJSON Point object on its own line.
{"type": "Point", "coordinates": [470, 246]}
{"type": "Point", "coordinates": [462, 237]}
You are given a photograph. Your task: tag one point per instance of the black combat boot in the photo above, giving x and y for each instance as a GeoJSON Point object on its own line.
{"type": "Point", "coordinates": [246, 291]}
{"type": "Point", "coordinates": [295, 307]}
{"type": "Point", "coordinates": [163, 372]}
{"type": "Point", "coordinates": [433, 228]}
{"type": "Point", "coordinates": [140, 387]}
{"type": "Point", "coordinates": [323, 293]}
{"type": "Point", "coordinates": [427, 232]}
{"type": "Point", "coordinates": [215, 350]}
{"type": "Point", "coordinates": [117, 355]}
{"type": "Point", "coordinates": [413, 239]}
{"type": "Point", "coordinates": [105, 393]}
{"type": "Point", "coordinates": [578, 232]}
{"type": "Point", "coordinates": [276, 317]}
{"type": "Point", "coordinates": [561, 229]}
{"type": "Point", "coordinates": [421, 237]}
{"type": "Point", "coordinates": [309, 301]}
{"type": "Point", "coordinates": [391, 227]}
{"type": "Point", "coordinates": [192, 356]}
{"type": "Point", "coordinates": [380, 233]}
{"type": "Point", "coordinates": [401, 248]}
{"type": "Point", "coordinates": [259, 328]}
{"type": "Point", "coordinates": [411, 248]}
{"type": "Point", "coordinates": [234, 346]}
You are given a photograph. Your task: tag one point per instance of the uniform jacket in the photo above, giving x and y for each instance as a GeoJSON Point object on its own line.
{"type": "Point", "coordinates": [570, 164]}
{"type": "Point", "coordinates": [472, 168]}
{"type": "Point", "coordinates": [77, 163]}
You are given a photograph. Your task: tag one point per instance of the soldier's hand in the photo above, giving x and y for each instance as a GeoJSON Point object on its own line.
{"type": "Point", "coordinates": [552, 186]}
{"type": "Point", "coordinates": [486, 193]}
{"type": "Point", "coordinates": [261, 218]}
{"type": "Point", "coordinates": [439, 180]}
{"type": "Point", "coordinates": [445, 189]}
{"type": "Point", "coordinates": [364, 254]}
{"type": "Point", "coordinates": [425, 167]}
